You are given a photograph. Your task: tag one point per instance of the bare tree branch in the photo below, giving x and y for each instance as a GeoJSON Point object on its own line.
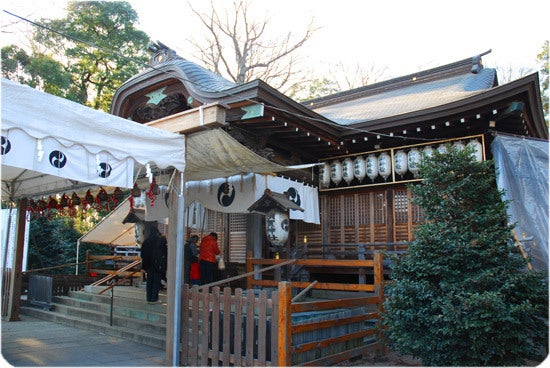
{"type": "Point", "coordinates": [237, 46]}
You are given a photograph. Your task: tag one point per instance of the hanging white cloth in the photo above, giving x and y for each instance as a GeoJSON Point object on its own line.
{"type": "Point", "coordinates": [237, 193]}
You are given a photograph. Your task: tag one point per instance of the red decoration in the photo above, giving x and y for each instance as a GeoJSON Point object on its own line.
{"type": "Point", "coordinates": [119, 196]}
{"type": "Point", "coordinates": [102, 195]}
{"type": "Point", "coordinates": [75, 200]}
{"type": "Point", "coordinates": [65, 200]}
{"type": "Point", "coordinates": [88, 198]}
{"type": "Point", "coordinates": [153, 189]}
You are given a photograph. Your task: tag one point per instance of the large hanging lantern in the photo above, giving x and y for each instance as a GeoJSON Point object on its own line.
{"type": "Point", "coordinates": [336, 172]}
{"type": "Point", "coordinates": [427, 151]}
{"type": "Point", "coordinates": [384, 165]}
{"type": "Point", "coordinates": [372, 166]}
{"type": "Point", "coordinates": [458, 145]}
{"type": "Point", "coordinates": [359, 168]}
{"type": "Point", "coordinates": [347, 170]}
{"type": "Point", "coordinates": [478, 150]}
{"type": "Point", "coordinates": [324, 175]}
{"type": "Point", "coordinates": [414, 160]}
{"type": "Point", "coordinates": [277, 224]}
{"type": "Point", "coordinates": [400, 162]}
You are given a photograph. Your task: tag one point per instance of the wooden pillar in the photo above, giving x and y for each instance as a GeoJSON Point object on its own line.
{"type": "Point", "coordinates": [254, 237]}
{"type": "Point", "coordinates": [17, 274]}
{"type": "Point", "coordinates": [379, 290]}
{"type": "Point", "coordinates": [284, 346]}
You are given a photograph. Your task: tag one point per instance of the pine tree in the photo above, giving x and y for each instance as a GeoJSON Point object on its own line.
{"type": "Point", "coordinates": [462, 295]}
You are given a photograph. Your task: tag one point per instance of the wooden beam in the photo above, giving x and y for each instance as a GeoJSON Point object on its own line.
{"type": "Point", "coordinates": [201, 118]}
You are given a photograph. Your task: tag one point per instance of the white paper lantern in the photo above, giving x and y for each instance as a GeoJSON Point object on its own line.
{"type": "Point", "coordinates": [372, 166]}
{"type": "Point", "coordinates": [478, 150]}
{"type": "Point", "coordinates": [324, 175]}
{"type": "Point", "coordinates": [400, 162]}
{"type": "Point", "coordinates": [414, 159]}
{"type": "Point", "coordinates": [359, 168]}
{"type": "Point", "coordinates": [347, 170]}
{"type": "Point", "coordinates": [427, 151]}
{"type": "Point", "coordinates": [459, 145]}
{"type": "Point", "coordinates": [336, 172]}
{"type": "Point", "coordinates": [277, 224]}
{"type": "Point", "coordinates": [384, 165]}
{"type": "Point", "coordinates": [442, 149]}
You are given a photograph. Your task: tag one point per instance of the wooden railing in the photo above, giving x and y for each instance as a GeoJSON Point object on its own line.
{"type": "Point", "coordinates": [111, 265]}
{"type": "Point", "coordinates": [351, 250]}
{"type": "Point", "coordinates": [268, 328]}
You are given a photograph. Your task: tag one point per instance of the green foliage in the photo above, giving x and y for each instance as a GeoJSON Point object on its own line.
{"type": "Point", "coordinates": [462, 295]}
{"type": "Point", "coordinates": [96, 48]}
{"type": "Point", "coordinates": [53, 239]}
{"type": "Point", "coordinates": [51, 243]}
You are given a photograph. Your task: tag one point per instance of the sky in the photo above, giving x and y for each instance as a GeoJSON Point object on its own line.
{"type": "Point", "coordinates": [399, 36]}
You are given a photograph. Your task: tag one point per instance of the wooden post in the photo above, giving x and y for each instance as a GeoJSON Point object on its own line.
{"type": "Point", "coordinates": [17, 274]}
{"type": "Point", "coordinates": [284, 346]}
{"type": "Point", "coordinates": [379, 290]}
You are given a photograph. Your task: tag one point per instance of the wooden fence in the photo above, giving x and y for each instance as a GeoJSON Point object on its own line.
{"type": "Point", "coordinates": [269, 327]}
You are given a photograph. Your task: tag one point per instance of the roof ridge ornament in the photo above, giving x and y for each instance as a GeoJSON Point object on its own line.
{"type": "Point", "coordinates": [161, 53]}
{"type": "Point", "coordinates": [477, 64]}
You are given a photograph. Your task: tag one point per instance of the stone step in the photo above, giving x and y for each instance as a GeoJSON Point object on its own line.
{"type": "Point", "coordinates": [138, 336]}
{"type": "Point", "coordinates": [141, 311]}
{"type": "Point", "coordinates": [156, 328]}
{"type": "Point", "coordinates": [133, 318]}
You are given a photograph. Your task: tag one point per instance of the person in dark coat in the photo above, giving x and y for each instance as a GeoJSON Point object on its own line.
{"type": "Point", "coordinates": [153, 261]}
{"type": "Point", "coordinates": [191, 256]}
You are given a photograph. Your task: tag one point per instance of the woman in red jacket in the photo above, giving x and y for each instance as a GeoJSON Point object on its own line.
{"type": "Point", "coordinates": [208, 251]}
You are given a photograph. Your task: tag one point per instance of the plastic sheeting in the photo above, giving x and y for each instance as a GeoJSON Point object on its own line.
{"type": "Point", "coordinates": [522, 172]}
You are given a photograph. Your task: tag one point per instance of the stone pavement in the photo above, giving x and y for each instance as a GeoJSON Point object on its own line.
{"type": "Point", "coordinates": [32, 342]}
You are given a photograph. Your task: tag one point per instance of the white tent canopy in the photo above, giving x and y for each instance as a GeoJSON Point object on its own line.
{"type": "Point", "coordinates": [52, 144]}
{"type": "Point", "coordinates": [112, 231]}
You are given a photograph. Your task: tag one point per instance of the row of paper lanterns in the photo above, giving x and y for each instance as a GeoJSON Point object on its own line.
{"type": "Point", "coordinates": [381, 165]}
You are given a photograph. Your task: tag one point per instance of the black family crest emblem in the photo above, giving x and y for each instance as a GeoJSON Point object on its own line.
{"type": "Point", "coordinates": [226, 194]}
{"type": "Point", "coordinates": [294, 196]}
{"type": "Point", "coordinates": [58, 159]}
{"type": "Point", "coordinates": [103, 170]}
{"type": "Point", "coordinates": [6, 145]}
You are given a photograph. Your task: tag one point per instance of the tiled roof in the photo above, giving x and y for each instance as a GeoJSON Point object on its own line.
{"type": "Point", "coordinates": [202, 78]}
{"type": "Point", "coordinates": [414, 96]}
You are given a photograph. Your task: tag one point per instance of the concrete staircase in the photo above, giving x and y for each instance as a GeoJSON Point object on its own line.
{"type": "Point", "coordinates": [132, 317]}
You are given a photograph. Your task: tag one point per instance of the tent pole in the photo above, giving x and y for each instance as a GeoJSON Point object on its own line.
{"type": "Point", "coordinates": [179, 273]}
{"type": "Point", "coordinates": [77, 251]}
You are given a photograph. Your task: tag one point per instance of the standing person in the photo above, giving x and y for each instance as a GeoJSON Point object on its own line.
{"type": "Point", "coordinates": [153, 261]}
{"type": "Point", "coordinates": [191, 260]}
{"type": "Point", "coordinates": [208, 252]}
